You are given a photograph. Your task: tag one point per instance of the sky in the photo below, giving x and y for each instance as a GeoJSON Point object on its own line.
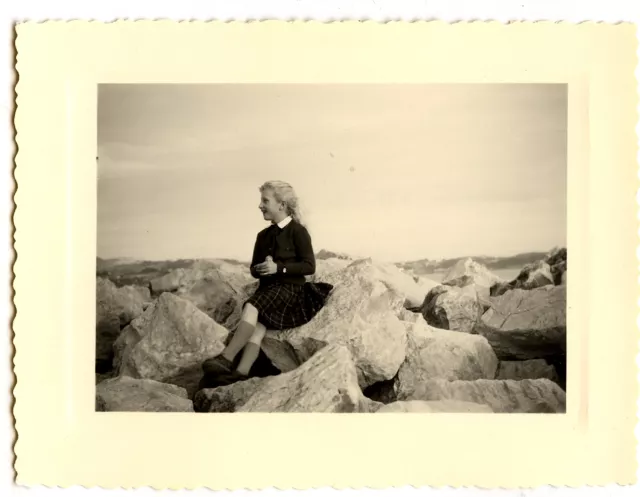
{"type": "Point", "coordinates": [396, 172]}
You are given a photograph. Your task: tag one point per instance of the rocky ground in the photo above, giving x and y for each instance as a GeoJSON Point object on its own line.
{"type": "Point", "coordinates": [388, 340]}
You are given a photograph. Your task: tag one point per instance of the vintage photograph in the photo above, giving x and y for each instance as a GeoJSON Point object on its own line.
{"type": "Point", "coordinates": [347, 248]}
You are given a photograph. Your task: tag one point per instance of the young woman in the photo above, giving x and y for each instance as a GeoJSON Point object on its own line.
{"type": "Point", "coordinates": [282, 257]}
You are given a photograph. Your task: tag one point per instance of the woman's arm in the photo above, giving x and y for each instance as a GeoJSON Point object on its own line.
{"type": "Point", "coordinates": [254, 258]}
{"type": "Point", "coordinates": [306, 260]}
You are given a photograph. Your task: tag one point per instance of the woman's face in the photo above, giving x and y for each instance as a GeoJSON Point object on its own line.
{"type": "Point", "coordinates": [269, 206]}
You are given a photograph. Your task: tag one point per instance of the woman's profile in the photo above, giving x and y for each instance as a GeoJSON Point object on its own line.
{"type": "Point", "coordinates": [282, 256]}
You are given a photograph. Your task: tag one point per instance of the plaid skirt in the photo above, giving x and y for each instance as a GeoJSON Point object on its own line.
{"type": "Point", "coordinates": [283, 306]}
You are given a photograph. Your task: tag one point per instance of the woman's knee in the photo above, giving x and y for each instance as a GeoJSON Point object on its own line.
{"type": "Point", "coordinates": [250, 313]}
{"type": "Point", "coordinates": [258, 334]}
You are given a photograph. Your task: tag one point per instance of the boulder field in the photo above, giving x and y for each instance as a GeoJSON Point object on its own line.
{"type": "Point", "coordinates": [387, 341]}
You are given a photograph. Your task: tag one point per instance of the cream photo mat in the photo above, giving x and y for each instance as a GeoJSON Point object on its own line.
{"type": "Point", "coordinates": [62, 440]}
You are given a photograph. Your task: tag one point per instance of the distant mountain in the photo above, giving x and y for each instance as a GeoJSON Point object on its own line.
{"type": "Point", "coordinates": [427, 266]}
{"type": "Point", "coordinates": [127, 271]}
{"type": "Point", "coordinates": [328, 254]}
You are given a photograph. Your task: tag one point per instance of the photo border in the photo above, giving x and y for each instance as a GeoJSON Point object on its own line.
{"type": "Point", "coordinates": [61, 439]}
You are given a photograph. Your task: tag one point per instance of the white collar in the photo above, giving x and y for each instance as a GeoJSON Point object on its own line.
{"type": "Point", "coordinates": [284, 222]}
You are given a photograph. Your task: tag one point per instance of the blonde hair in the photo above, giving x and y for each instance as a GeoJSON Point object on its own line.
{"type": "Point", "coordinates": [283, 192]}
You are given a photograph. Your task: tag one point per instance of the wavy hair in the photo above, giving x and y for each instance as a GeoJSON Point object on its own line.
{"type": "Point", "coordinates": [283, 192]}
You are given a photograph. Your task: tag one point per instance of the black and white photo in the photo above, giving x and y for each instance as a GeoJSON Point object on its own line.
{"type": "Point", "coordinates": [332, 248]}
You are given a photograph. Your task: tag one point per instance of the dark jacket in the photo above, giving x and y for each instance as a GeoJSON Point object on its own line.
{"type": "Point", "coordinates": [291, 250]}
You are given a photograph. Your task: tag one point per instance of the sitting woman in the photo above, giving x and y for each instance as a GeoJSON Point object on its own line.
{"type": "Point", "coordinates": [282, 257]}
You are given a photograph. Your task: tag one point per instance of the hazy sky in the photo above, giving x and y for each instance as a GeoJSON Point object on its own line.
{"type": "Point", "coordinates": [397, 172]}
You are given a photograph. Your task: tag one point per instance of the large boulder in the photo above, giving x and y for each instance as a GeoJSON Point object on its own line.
{"type": "Point", "coordinates": [171, 281]}
{"type": "Point", "coordinates": [526, 370]}
{"type": "Point", "coordinates": [501, 288]}
{"type": "Point", "coordinates": [434, 353]}
{"type": "Point", "coordinates": [168, 343]}
{"type": "Point", "coordinates": [215, 287]}
{"type": "Point", "coordinates": [360, 313]}
{"type": "Point", "coordinates": [129, 394]}
{"type": "Point", "coordinates": [409, 316]}
{"type": "Point", "coordinates": [126, 303]}
{"type": "Point", "coordinates": [445, 406]}
{"type": "Point", "coordinates": [327, 382]}
{"type": "Point", "coordinates": [451, 308]}
{"type": "Point", "coordinates": [115, 308]}
{"type": "Point", "coordinates": [325, 267]}
{"type": "Point", "coordinates": [534, 275]}
{"type": "Point", "coordinates": [469, 272]}
{"type": "Point", "coordinates": [241, 295]}
{"type": "Point", "coordinates": [412, 288]}
{"type": "Point", "coordinates": [526, 324]}
{"type": "Point", "coordinates": [425, 285]}
{"type": "Point", "coordinates": [212, 295]}
{"type": "Point", "coordinates": [526, 396]}
{"type": "Point", "coordinates": [556, 256]}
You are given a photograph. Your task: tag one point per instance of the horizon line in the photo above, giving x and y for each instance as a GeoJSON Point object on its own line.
{"type": "Point", "coordinates": [540, 251]}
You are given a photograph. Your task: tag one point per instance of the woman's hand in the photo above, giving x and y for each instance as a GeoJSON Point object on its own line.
{"type": "Point", "coordinates": [267, 267]}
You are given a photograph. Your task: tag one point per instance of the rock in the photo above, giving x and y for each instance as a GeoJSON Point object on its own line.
{"type": "Point", "coordinates": [558, 272]}
{"type": "Point", "coordinates": [361, 313]}
{"type": "Point", "coordinates": [526, 324]}
{"type": "Point", "coordinates": [169, 342]}
{"type": "Point", "coordinates": [212, 295]}
{"type": "Point", "coordinates": [125, 302]}
{"type": "Point", "coordinates": [556, 255]}
{"type": "Point", "coordinates": [559, 364]}
{"type": "Point", "coordinates": [382, 391]}
{"type": "Point", "coordinates": [327, 382]}
{"type": "Point", "coordinates": [469, 272]}
{"type": "Point", "coordinates": [327, 266]}
{"type": "Point", "coordinates": [534, 275]}
{"type": "Point", "coordinates": [228, 398]}
{"type": "Point", "coordinates": [563, 278]}
{"type": "Point", "coordinates": [425, 285]}
{"type": "Point", "coordinates": [480, 293]}
{"type": "Point", "coordinates": [526, 370]}
{"type": "Point", "coordinates": [501, 288]}
{"type": "Point", "coordinates": [107, 332]}
{"type": "Point", "coordinates": [217, 288]}
{"type": "Point", "coordinates": [171, 281]}
{"type": "Point", "coordinates": [434, 353]}
{"type": "Point", "coordinates": [100, 377]}
{"type": "Point", "coordinates": [242, 295]}
{"type": "Point", "coordinates": [451, 308]}
{"type": "Point", "coordinates": [435, 406]}
{"type": "Point", "coordinates": [370, 406]}
{"type": "Point", "coordinates": [129, 394]}
{"type": "Point", "coordinates": [115, 308]}
{"type": "Point", "coordinates": [413, 290]}
{"type": "Point", "coordinates": [410, 316]}
{"type": "Point", "coordinates": [525, 396]}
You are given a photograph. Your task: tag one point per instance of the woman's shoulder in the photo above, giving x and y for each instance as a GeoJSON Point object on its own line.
{"type": "Point", "coordinates": [297, 226]}
{"type": "Point", "coordinates": [262, 232]}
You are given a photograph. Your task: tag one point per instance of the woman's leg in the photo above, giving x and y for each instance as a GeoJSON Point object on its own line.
{"type": "Point", "coordinates": [251, 350]}
{"type": "Point", "coordinates": [243, 333]}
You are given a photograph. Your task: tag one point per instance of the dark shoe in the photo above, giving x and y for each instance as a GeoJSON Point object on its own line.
{"type": "Point", "coordinates": [218, 365]}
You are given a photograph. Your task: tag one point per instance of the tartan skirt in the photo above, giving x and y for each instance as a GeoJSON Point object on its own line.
{"type": "Point", "coordinates": [282, 306]}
